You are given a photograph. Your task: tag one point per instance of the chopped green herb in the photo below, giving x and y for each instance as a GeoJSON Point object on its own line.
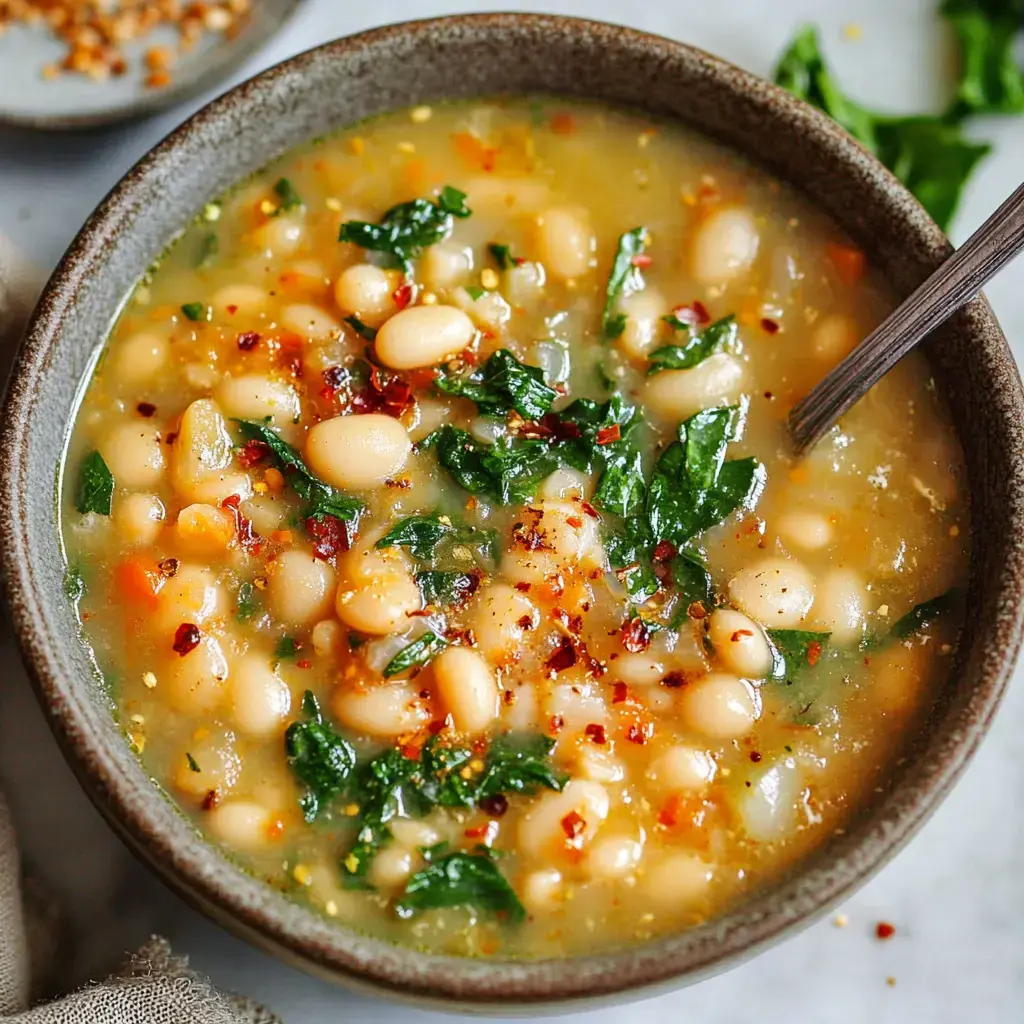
{"type": "Point", "coordinates": [794, 650]}
{"type": "Point", "coordinates": [519, 763]}
{"type": "Point", "coordinates": [921, 616]}
{"type": "Point", "coordinates": [74, 585]}
{"type": "Point", "coordinates": [285, 191]}
{"type": "Point", "coordinates": [503, 383]}
{"type": "Point", "coordinates": [95, 486]}
{"type": "Point", "coordinates": [691, 578]}
{"type": "Point", "coordinates": [717, 337]}
{"type": "Point", "coordinates": [193, 766]}
{"type": "Point", "coordinates": [408, 228]}
{"type": "Point", "coordinates": [286, 648]}
{"type": "Point", "coordinates": [439, 542]}
{"type": "Point", "coordinates": [444, 589]}
{"type": "Point", "coordinates": [461, 879]}
{"type": "Point", "coordinates": [624, 276]}
{"type": "Point", "coordinates": [323, 499]}
{"type": "Point", "coordinates": [502, 256]}
{"type": "Point", "coordinates": [321, 759]}
{"type": "Point", "coordinates": [196, 311]}
{"type": "Point", "coordinates": [419, 652]}
{"type": "Point", "coordinates": [928, 154]}
{"type": "Point", "coordinates": [475, 292]}
{"type": "Point", "coordinates": [247, 601]}
{"type": "Point", "coordinates": [629, 554]}
{"type": "Point", "coordinates": [991, 80]}
{"type": "Point", "coordinates": [364, 331]}
{"type": "Point", "coordinates": [209, 247]}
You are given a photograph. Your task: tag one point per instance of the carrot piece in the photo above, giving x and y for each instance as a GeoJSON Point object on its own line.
{"type": "Point", "coordinates": [848, 261]}
{"type": "Point", "coordinates": [138, 581]}
{"type": "Point", "coordinates": [470, 149]}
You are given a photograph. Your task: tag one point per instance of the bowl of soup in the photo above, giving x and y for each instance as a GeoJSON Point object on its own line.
{"type": "Point", "coordinates": [404, 536]}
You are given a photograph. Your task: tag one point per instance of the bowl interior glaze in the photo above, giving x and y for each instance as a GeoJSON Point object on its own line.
{"type": "Point", "coordinates": [355, 78]}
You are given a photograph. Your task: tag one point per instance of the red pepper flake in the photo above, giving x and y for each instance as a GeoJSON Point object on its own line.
{"type": "Point", "coordinates": [563, 657]}
{"type": "Point", "coordinates": [556, 723]}
{"type": "Point", "coordinates": [596, 733]}
{"type": "Point", "coordinates": [524, 587]}
{"type": "Point", "coordinates": [403, 295]}
{"type": "Point", "coordinates": [620, 693]}
{"type": "Point", "coordinates": [411, 751]}
{"type": "Point", "coordinates": [525, 622]}
{"type": "Point", "coordinates": [640, 733]}
{"type": "Point", "coordinates": [247, 340]}
{"type": "Point", "coordinates": [884, 930]}
{"type": "Point", "coordinates": [769, 326]}
{"type": "Point", "coordinates": [664, 551]}
{"type": "Point", "coordinates": [232, 310]}
{"type": "Point", "coordinates": [211, 799]}
{"type": "Point", "coordinates": [171, 437]}
{"type": "Point", "coordinates": [694, 315]}
{"type": "Point", "coordinates": [697, 610]}
{"type": "Point", "coordinates": [186, 638]}
{"type": "Point", "coordinates": [146, 409]}
{"type": "Point", "coordinates": [330, 536]}
{"type": "Point", "coordinates": [813, 653]}
{"type": "Point", "coordinates": [739, 634]}
{"type": "Point", "coordinates": [674, 680]}
{"type": "Point", "coordinates": [755, 756]}
{"type": "Point", "coordinates": [575, 522]}
{"type": "Point", "coordinates": [303, 663]}
{"type": "Point", "coordinates": [609, 435]}
{"type": "Point", "coordinates": [589, 509]}
{"type": "Point", "coordinates": [169, 568]}
{"type": "Point", "coordinates": [642, 260]}
{"type": "Point", "coordinates": [635, 635]}
{"type": "Point", "coordinates": [573, 824]}
{"type": "Point", "coordinates": [495, 806]}
{"type": "Point", "coordinates": [248, 538]}
{"type": "Point", "coordinates": [252, 453]}
{"type": "Point", "coordinates": [477, 831]}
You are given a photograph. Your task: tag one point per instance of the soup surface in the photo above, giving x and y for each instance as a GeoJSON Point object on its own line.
{"type": "Point", "coordinates": [431, 516]}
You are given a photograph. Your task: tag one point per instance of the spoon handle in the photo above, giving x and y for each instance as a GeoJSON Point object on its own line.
{"type": "Point", "coordinates": [956, 282]}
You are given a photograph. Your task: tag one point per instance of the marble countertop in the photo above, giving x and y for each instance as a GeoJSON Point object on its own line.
{"type": "Point", "coordinates": [955, 895]}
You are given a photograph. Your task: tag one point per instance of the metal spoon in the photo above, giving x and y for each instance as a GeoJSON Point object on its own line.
{"type": "Point", "coordinates": [955, 283]}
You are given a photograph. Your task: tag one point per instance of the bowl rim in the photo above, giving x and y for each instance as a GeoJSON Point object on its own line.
{"type": "Point", "coordinates": [211, 883]}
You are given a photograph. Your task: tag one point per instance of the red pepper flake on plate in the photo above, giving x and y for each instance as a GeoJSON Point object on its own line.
{"type": "Point", "coordinates": [884, 931]}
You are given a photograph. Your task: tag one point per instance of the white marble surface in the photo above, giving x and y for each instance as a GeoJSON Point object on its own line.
{"type": "Point", "coordinates": [956, 894]}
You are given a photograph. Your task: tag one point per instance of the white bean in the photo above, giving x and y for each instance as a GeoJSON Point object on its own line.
{"type": "Point", "coordinates": [193, 595]}
{"type": "Point", "coordinates": [599, 765]}
{"type": "Point", "coordinates": [219, 766]}
{"type": "Point", "coordinates": [770, 809]}
{"type": "Point", "coordinates": [365, 291]}
{"type": "Point", "coordinates": [740, 643]}
{"type": "Point", "coordinates": [839, 606]}
{"type": "Point", "coordinates": [808, 531]}
{"type": "Point", "coordinates": [565, 242]}
{"type": "Point", "coordinates": [467, 688]}
{"type": "Point", "coordinates": [260, 698]}
{"type": "Point", "coordinates": [424, 336]}
{"type": "Point", "coordinates": [279, 236]}
{"type": "Point", "coordinates": [500, 617]}
{"type": "Point", "coordinates": [777, 592]}
{"type": "Point", "coordinates": [613, 857]}
{"type": "Point", "coordinates": [194, 683]}
{"type": "Point", "coordinates": [137, 360]}
{"type": "Point", "coordinates": [358, 452]}
{"type": "Point", "coordinates": [204, 529]}
{"type": "Point", "coordinates": [256, 396]}
{"type": "Point", "coordinates": [234, 299]}
{"type": "Point", "coordinates": [678, 880]}
{"type": "Point", "coordinates": [543, 890]}
{"type": "Point", "coordinates": [412, 832]}
{"type": "Point", "coordinates": [326, 637]}
{"type": "Point", "coordinates": [134, 455]}
{"type": "Point", "coordinates": [681, 769]}
{"type": "Point", "coordinates": [446, 264]}
{"type": "Point", "coordinates": [200, 470]}
{"type": "Point", "coordinates": [550, 536]}
{"type": "Point", "coordinates": [376, 591]}
{"type": "Point", "coordinates": [724, 246]}
{"type": "Point", "coordinates": [241, 824]}
{"type": "Point", "coordinates": [640, 669]}
{"type": "Point", "coordinates": [387, 710]}
{"type": "Point", "coordinates": [566, 483]}
{"type": "Point", "coordinates": [391, 868]}
{"type": "Point", "coordinates": [644, 328]}
{"type": "Point", "coordinates": [525, 283]}
{"type": "Point", "coordinates": [299, 587]}
{"type": "Point", "coordinates": [542, 828]}
{"type": "Point", "coordinates": [678, 394]}
{"type": "Point", "coordinates": [835, 336]}
{"type": "Point", "coordinates": [721, 706]}
{"type": "Point", "coordinates": [139, 518]}
{"type": "Point", "coordinates": [310, 321]}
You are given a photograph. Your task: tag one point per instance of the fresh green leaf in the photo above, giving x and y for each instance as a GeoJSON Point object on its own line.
{"type": "Point", "coordinates": [442, 782]}
{"type": "Point", "coordinates": [623, 276]}
{"type": "Point", "coordinates": [248, 602]}
{"type": "Point", "coordinates": [196, 311]}
{"type": "Point", "coordinates": [921, 616]}
{"type": "Point", "coordinates": [446, 589]}
{"type": "Point", "coordinates": [519, 763]}
{"type": "Point", "coordinates": [475, 292]}
{"type": "Point", "coordinates": [408, 228]}
{"type": "Point", "coordinates": [461, 879]}
{"type": "Point", "coordinates": [209, 247]}
{"type": "Point", "coordinates": [95, 486]}
{"type": "Point", "coordinates": [192, 765]}
{"type": "Point", "coordinates": [364, 331]}
{"type": "Point", "coordinates": [321, 759]}
{"type": "Point", "coordinates": [928, 154]}
{"type": "Point", "coordinates": [629, 554]}
{"type": "Point", "coordinates": [503, 383]}
{"type": "Point", "coordinates": [691, 578]}
{"type": "Point", "coordinates": [794, 650]}
{"type": "Point", "coordinates": [440, 542]}
{"type": "Point", "coordinates": [323, 499]}
{"type": "Point", "coordinates": [285, 192]}
{"type": "Point", "coordinates": [420, 534]}
{"type": "Point", "coordinates": [419, 652]}
{"type": "Point", "coordinates": [503, 256]}
{"type": "Point", "coordinates": [717, 337]}
{"type": "Point", "coordinates": [991, 80]}
{"type": "Point", "coordinates": [286, 648]}
{"type": "Point", "coordinates": [74, 585]}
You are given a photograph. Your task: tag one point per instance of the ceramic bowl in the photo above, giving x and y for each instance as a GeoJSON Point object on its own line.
{"type": "Point", "coordinates": [472, 56]}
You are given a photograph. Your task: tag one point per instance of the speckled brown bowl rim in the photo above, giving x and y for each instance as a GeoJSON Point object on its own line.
{"type": "Point", "coordinates": [479, 55]}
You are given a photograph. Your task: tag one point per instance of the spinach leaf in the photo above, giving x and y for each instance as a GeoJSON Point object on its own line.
{"type": "Point", "coordinates": [794, 650]}
{"type": "Point", "coordinates": [74, 584]}
{"type": "Point", "coordinates": [928, 154]}
{"type": "Point", "coordinates": [95, 485]}
{"type": "Point", "coordinates": [247, 601]}
{"type": "Point", "coordinates": [461, 879]}
{"type": "Point", "coordinates": [363, 330]}
{"type": "Point", "coordinates": [323, 499]}
{"type": "Point", "coordinates": [503, 256]}
{"type": "Point", "coordinates": [716, 337]}
{"type": "Point", "coordinates": [624, 275]}
{"type": "Point", "coordinates": [922, 615]}
{"type": "Point", "coordinates": [320, 758]}
{"type": "Point", "coordinates": [691, 578]}
{"type": "Point", "coordinates": [519, 763]}
{"type": "Point", "coordinates": [444, 589]}
{"type": "Point", "coordinates": [443, 782]}
{"type": "Point", "coordinates": [193, 765]}
{"type": "Point", "coordinates": [420, 534]}
{"type": "Point", "coordinates": [286, 648]}
{"type": "Point", "coordinates": [440, 542]}
{"type": "Point", "coordinates": [629, 553]}
{"type": "Point", "coordinates": [286, 193]}
{"type": "Point", "coordinates": [991, 81]}
{"type": "Point", "coordinates": [209, 247]}
{"type": "Point", "coordinates": [408, 228]}
{"type": "Point", "coordinates": [196, 311]}
{"type": "Point", "coordinates": [503, 383]}
{"type": "Point", "coordinates": [419, 652]}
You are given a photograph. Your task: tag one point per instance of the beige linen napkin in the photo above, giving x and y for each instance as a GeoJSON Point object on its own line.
{"type": "Point", "coordinates": [152, 986]}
